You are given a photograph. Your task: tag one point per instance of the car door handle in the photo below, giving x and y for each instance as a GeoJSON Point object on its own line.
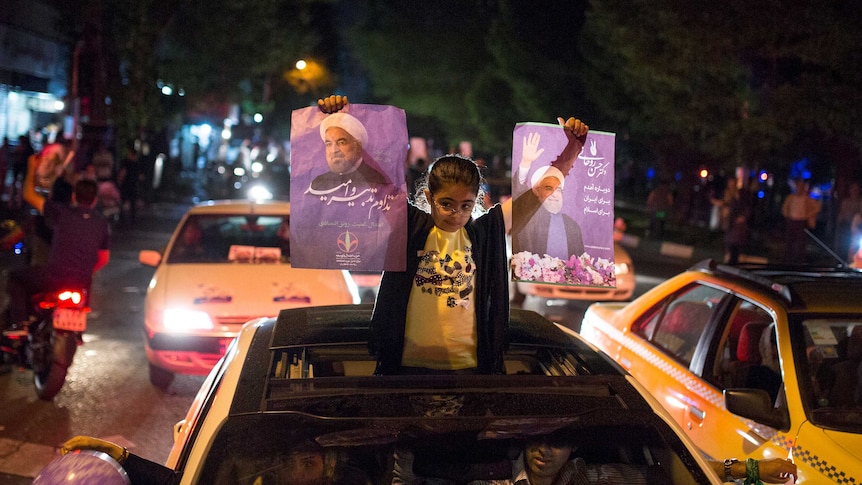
{"type": "Point", "coordinates": [697, 412]}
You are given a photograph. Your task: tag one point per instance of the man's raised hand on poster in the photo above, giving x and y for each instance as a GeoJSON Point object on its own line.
{"type": "Point", "coordinates": [529, 153]}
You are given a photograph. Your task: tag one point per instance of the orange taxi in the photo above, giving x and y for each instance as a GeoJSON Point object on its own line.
{"type": "Point", "coordinates": [752, 361]}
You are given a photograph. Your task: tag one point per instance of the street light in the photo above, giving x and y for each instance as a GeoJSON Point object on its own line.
{"type": "Point", "coordinates": [308, 76]}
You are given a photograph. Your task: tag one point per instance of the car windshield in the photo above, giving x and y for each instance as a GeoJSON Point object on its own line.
{"type": "Point", "coordinates": [452, 436]}
{"type": "Point", "coordinates": [828, 354]}
{"type": "Point", "coordinates": [232, 239]}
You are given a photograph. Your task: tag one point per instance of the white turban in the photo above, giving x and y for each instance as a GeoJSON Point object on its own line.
{"type": "Point", "coordinates": [547, 171]}
{"type": "Point", "coordinates": [347, 123]}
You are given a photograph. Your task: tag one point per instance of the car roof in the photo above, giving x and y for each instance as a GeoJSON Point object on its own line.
{"type": "Point", "coordinates": [241, 207]}
{"type": "Point", "coordinates": [800, 288]}
{"type": "Point", "coordinates": [597, 404]}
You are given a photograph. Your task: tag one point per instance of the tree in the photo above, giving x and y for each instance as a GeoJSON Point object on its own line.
{"type": "Point", "coordinates": [470, 70]}
{"type": "Point", "coordinates": [119, 40]}
{"type": "Point", "coordinates": [216, 53]}
{"type": "Point", "coordinates": [737, 82]}
{"type": "Point", "coordinates": [238, 51]}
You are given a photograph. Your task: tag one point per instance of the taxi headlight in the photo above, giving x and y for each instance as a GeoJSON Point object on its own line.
{"type": "Point", "coordinates": [180, 320]}
{"type": "Point", "coordinates": [259, 192]}
{"type": "Point", "coordinates": [621, 268]}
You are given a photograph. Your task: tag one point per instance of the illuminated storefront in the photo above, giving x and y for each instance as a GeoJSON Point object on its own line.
{"type": "Point", "coordinates": [32, 75]}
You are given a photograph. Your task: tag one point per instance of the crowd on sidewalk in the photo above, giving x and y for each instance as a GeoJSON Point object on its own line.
{"type": "Point", "coordinates": [816, 227]}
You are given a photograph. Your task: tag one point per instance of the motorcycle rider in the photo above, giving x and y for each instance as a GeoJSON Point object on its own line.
{"type": "Point", "coordinates": [79, 246]}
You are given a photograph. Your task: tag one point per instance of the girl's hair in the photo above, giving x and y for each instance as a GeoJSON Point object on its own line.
{"type": "Point", "coordinates": [449, 170]}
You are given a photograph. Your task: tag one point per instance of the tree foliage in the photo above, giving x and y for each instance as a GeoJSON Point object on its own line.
{"type": "Point", "coordinates": [718, 83]}
{"type": "Point", "coordinates": [217, 52]}
{"type": "Point", "coordinates": [732, 83]}
{"type": "Point", "coordinates": [469, 70]}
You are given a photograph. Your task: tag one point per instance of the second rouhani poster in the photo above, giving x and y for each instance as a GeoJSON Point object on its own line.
{"type": "Point", "coordinates": [563, 207]}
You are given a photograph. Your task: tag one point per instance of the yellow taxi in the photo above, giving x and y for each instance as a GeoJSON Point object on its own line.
{"type": "Point", "coordinates": [758, 361]}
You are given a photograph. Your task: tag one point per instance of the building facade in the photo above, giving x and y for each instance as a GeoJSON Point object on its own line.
{"type": "Point", "coordinates": [33, 71]}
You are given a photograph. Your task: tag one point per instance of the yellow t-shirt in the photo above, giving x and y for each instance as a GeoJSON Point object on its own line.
{"type": "Point", "coordinates": [441, 320]}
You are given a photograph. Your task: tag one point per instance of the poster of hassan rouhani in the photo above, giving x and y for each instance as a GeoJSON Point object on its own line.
{"type": "Point", "coordinates": [563, 207]}
{"type": "Point", "coordinates": [348, 201]}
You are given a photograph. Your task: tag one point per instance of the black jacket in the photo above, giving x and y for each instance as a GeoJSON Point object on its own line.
{"type": "Point", "coordinates": [488, 237]}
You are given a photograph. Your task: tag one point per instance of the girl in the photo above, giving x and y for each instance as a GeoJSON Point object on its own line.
{"type": "Point", "coordinates": [449, 311]}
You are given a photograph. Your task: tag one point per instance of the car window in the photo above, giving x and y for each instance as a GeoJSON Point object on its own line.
{"type": "Point", "coordinates": [676, 324]}
{"type": "Point", "coordinates": [232, 239]}
{"type": "Point", "coordinates": [828, 358]}
{"type": "Point", "coordinates": [747, 356]}
{"type": "Point", "coordinates": [433, 448]}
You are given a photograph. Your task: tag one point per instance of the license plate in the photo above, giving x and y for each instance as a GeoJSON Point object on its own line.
{"type": "Point", "coordinates": [70, 319]}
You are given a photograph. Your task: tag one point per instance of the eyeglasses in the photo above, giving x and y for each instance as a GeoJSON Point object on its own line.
{"type": "Point", "coordinates": [449, 208]}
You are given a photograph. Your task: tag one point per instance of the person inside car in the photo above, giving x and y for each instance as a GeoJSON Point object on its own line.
{"type": "Point", "coordinates": [189, 247]}
{"type": "Point", "coordinates": [305, 464]}
{"type": "Point", "coordinates": [545, 460]}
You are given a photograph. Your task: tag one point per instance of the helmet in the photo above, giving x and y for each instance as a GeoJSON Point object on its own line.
{"type": "Point", "coordinates": [83, 466]}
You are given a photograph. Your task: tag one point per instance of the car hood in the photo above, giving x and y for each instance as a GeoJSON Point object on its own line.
{"type": "Point", "coordinates": [851, 443]}
{"type": "Point", "coordinates": [236, 293]}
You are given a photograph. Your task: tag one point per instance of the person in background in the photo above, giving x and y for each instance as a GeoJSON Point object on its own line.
{"type": "Point", "coordinates": [448, 312]}
{"type": "Point", "coordinates": [5, 157]}
{"type": "Point", "coordinates": [103, 162]}
{"type": "Point", "coordinates": [736, 233]}
{"type": "Point", "coordinates": [851, 205]}
{"type": "Point", "coordinates": [659, 204]}
{"type": "Point", "coordinates": [129, 179]}
{"type": "Point", "coordinates": [414, 173]}
{"type": "Point", "coordinates": [283, 234]}
{"type": "Point", "coordinates": [18, 161]}
{"type": "Point", "coordinates": [79, 245]}
{"type": "Point", "coordinates": [800, 213]}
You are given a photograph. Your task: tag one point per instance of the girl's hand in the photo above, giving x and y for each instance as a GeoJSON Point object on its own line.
{"type": "Point", "coordinates": [575, 127]}
{"type": "Point", "coordinates": [332, 104]}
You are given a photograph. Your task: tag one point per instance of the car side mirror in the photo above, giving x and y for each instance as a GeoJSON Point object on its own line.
{"type": "Point", "coordinates": [755, 404]}
{"type": "Point", "coordinates": [178, 429]}
{"type": "Point", "coordinates": [149, 257]}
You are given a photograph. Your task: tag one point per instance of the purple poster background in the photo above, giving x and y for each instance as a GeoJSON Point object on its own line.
{"type": "Point", "coordinates": [349, 224]}
{"type": "Point", "coordinates": [588, 198]}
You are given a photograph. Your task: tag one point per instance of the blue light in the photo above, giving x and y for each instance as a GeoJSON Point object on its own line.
{"type": "Point", "coordinates": [761, 194]}
{"type": "Point", "coordinates": [650, 173]}
{"type": "Point", "coordinates": [799, 169]}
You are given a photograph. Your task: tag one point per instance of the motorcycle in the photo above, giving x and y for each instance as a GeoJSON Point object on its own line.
{"type": "Point", "coordinates": [47, 345]}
